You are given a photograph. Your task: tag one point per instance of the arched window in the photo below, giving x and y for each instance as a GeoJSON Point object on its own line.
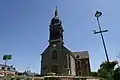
{"type": "Point", "coordinates": [57, 35]}
{"type": "Point", "coordinates": [78, 63]}
{"type": "Point", "coordinates": [54, 54]}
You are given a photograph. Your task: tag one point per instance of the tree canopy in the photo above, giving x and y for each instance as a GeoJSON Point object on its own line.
{"type": "Point", "coordinates": [107, 71]}
{"type": "Point", "coordinates": [7, 57]}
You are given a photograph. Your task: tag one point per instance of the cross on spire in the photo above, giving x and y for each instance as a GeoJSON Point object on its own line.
{"type": "Point", "coordinates": [56, 12]}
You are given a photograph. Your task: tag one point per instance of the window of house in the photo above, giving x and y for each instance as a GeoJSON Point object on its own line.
{"type": "Point", "coordinates": [3, 68]}
{"type": "Point", "coordinates": [8, 68]}
{"type": "Point", "coordinates": [54, 54]}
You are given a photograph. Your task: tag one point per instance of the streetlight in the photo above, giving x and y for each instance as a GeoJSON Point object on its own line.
{"type": "Point", "coordinates": [97, 15]}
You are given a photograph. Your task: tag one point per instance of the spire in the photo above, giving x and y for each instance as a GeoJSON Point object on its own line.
{"type": "Point", "coordinates": [56, 12]}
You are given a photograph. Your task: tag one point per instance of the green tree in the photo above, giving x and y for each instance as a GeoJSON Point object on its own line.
{"type": "Point", "coordinates": [117, 74]}
{"type": "Point", "coordinates": [6, 58]}
{"type": "Point", "coordinates": [106, 70]}
{"type": "Point", "coordinates": [94, 74]}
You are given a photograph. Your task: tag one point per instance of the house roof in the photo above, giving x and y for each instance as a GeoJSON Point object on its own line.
{"type": "Point", "coordinates": [7, 66]}
{"type": "Point", "coordinates": [81, 55]}
{"type": "Point", "coordinates": [4, 65]}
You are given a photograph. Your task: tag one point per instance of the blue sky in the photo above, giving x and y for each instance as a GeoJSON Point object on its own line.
{"type": "Point", "coordinates": [24, 28]}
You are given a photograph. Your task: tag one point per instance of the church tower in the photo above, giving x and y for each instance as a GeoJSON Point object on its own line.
{"type": "Point", "coordinates": [55, 42]}
{"type": "Point", "coordinates": [56, 57]}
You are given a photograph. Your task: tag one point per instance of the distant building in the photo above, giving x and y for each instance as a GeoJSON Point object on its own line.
{"type": "Point", "coordinates": [8, 70]}
{"type": "Point", "coordinates": [60, 60]}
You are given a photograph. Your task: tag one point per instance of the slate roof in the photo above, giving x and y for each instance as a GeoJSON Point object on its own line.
{"type": "Point", "coordinates": [81, 55]}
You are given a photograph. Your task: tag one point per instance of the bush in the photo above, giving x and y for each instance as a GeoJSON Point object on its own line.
{"type": "Point", "coordinates": [12, 79]}
{"type": "Point", "coordinates": [17, 78]}
{"type": "Point", "coordinates": [51, 78]}
{"type": "Point", "coordinates": [28, 79]}
{"type": "Point", "coordinates": [76, 79]}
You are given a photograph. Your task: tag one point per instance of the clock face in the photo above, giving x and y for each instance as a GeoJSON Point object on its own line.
{"type": "Point", "coordinates": [54, 45]}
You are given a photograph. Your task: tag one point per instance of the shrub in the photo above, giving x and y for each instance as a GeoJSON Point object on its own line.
{"type": "Point", "coordinates": [51, 78]}
{"type": "Point", "coordinates": [17, 78]}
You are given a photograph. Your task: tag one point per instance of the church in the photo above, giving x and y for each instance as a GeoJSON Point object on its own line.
{"type": "Point", "coordinates": [58, 59]}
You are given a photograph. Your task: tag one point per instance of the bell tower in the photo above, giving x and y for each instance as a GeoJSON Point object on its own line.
{"type": "Point", "coordinates": [56, 30]}
{"type": "Point", "coordinates": [55, 43]}
{"type": "Point", "coordinates": [56, 57]}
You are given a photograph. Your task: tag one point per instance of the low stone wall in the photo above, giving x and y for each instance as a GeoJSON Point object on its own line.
{"type": "Point", "coordinates": [50, 78]}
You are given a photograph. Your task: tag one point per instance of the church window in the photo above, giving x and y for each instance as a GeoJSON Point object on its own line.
{"type": "Point", "coordinates": [78, 64]}
{"type": "Point", "coordinates": [54, 54]}
{"type": "Point", "coordinates": [57, 35]}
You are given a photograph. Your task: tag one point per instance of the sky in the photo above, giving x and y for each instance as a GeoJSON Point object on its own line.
{"type": "Point", "coordinates": [24, 29]}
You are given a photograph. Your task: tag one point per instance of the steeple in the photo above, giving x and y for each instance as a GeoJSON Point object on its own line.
{"type": "Point", "coordinates": [56, 30]}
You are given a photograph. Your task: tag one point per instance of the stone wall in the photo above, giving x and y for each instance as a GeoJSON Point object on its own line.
{"type": "Point", "coordinates": [49, 78]}
{"type": "Point", "coordinates": [72, 64]}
